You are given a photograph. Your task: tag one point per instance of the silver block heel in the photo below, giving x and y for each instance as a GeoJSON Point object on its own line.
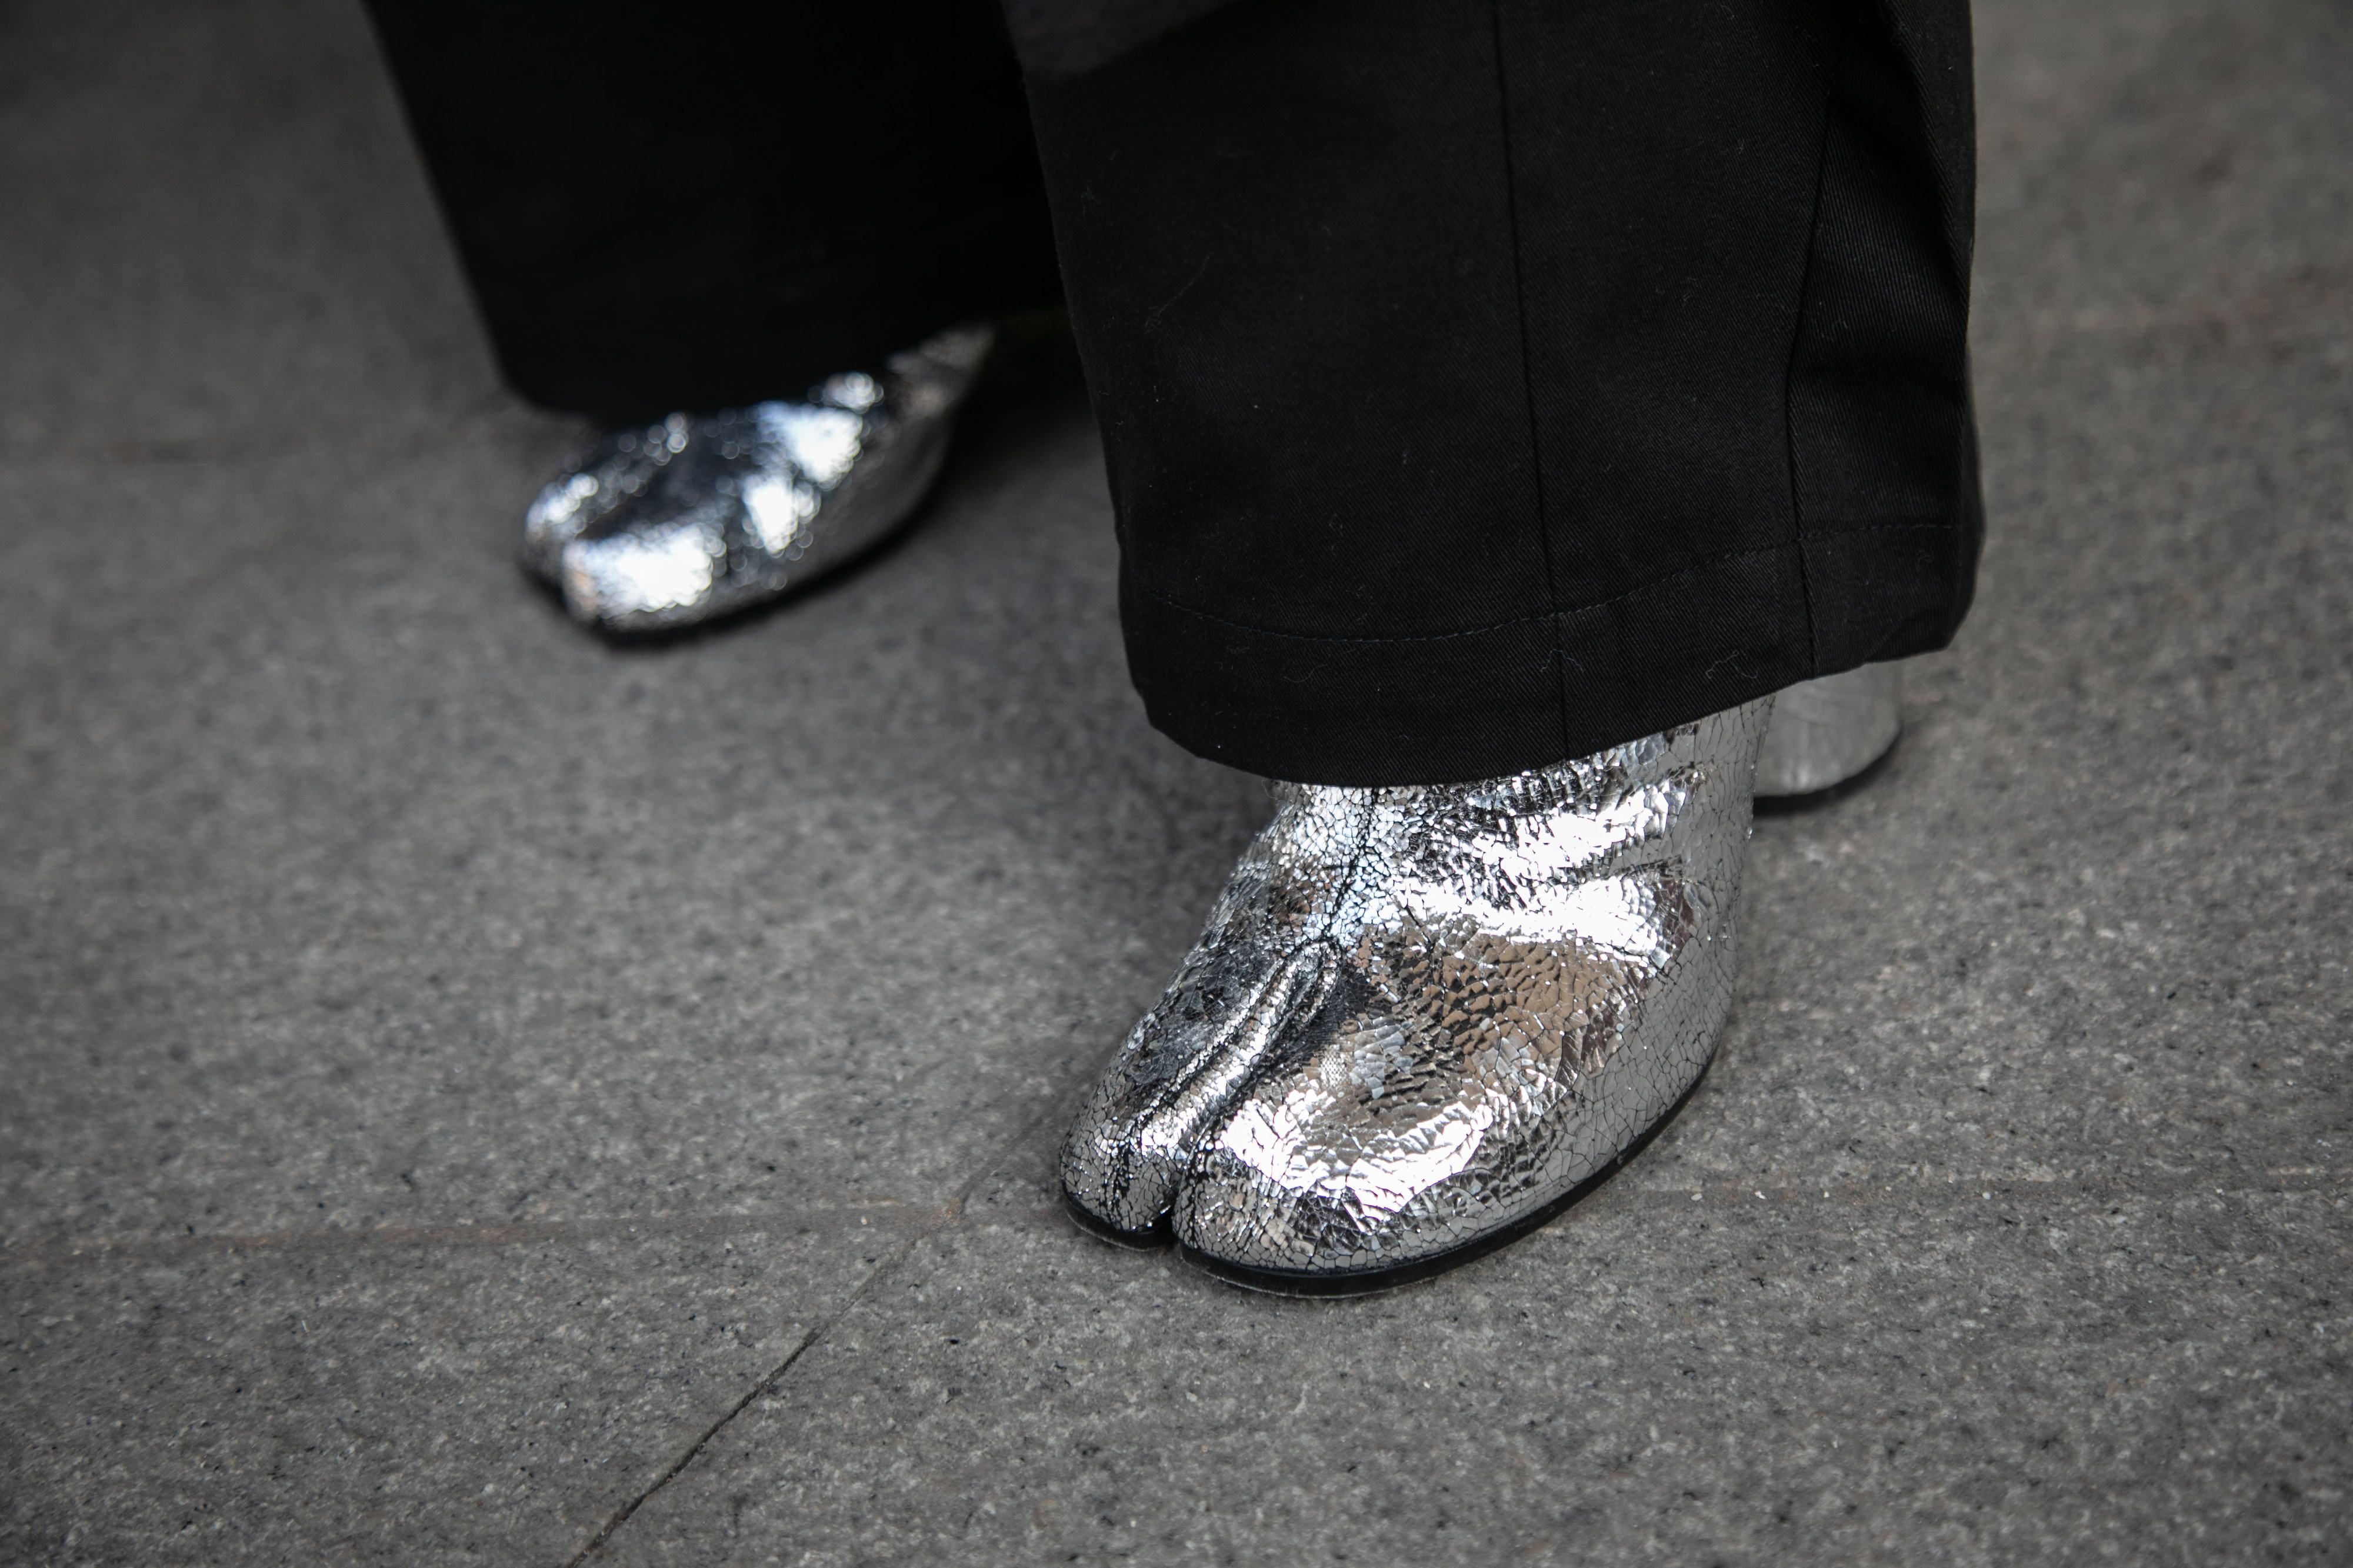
{"type": "Point", "coordinates": [1826, 732]}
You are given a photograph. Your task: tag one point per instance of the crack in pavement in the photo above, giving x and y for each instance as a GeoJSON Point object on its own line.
{"type": "Point", "coordinates": [947, 1216]}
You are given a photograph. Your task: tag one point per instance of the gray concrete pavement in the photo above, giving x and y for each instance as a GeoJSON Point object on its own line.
{"type": "Point", "coordinates": [475, 1094]}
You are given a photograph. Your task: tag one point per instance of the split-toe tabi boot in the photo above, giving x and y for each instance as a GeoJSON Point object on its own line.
{"type": "Point", "coordinates": [703, 514]}
{"type": "Point", "coordinates": [1262, 951]}
{"type": "Point", "coordinates": [1422, 1015]}
{"type": "Point", "coordinates": [1421, 1018]}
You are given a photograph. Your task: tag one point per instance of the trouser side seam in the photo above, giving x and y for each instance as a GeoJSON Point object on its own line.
{"type": "Point", "coordinates": [1527, 370]}
{"type": "Point", "coordinates": [1797, 341]}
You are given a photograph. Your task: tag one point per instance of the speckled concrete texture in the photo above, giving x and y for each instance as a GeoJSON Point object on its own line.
{"type": "Point", "coordinates": [479, 1095]}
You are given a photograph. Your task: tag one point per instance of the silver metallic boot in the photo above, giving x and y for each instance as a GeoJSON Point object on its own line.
{"type": "Point", "coordinates": [702, 514]}
{"type": "Point", "coordinates": [1827, 732]}
{"type": "Point", "coordinates": [1420, 1018]}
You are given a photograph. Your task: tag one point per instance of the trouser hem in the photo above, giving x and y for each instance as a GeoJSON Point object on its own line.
{"type": "Point", "coordinates": [1484, 703]}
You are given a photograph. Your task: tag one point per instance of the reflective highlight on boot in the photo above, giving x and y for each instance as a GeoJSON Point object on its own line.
{"type": "Point", "coordinates": [702, 514]}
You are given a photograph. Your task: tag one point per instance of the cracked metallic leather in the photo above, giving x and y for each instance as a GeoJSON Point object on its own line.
{"type": "Point", "coordinates": [702, 514]}
{"type": "Point", "coordinates": [1421, 1016]}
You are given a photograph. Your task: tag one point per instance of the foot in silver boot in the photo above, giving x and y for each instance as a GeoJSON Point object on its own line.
{"type": "Point", "coordinates": [1188, 1056]}
{"type": "Point", "coordinates": [1430, 1014]}
{"type": "Point", "coordinates": [1826, 732]}
{"type": "Point", "coordinates": [702, 514]}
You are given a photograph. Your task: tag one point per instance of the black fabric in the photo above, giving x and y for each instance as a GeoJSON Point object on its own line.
{"type": "Point", "coordinates": [1484, 385]}
{"type": "Point", "coordinates": [1882, 440]}
{"type": "Point", "coordinates": [1070, 37]}
{"type": "Point", "coordinates": [708, 204]}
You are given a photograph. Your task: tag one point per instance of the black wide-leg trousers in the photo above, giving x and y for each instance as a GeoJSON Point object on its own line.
{"type": "Point", "coordinates": [1481, 384]}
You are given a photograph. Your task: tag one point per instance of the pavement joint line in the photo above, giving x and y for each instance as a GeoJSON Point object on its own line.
{"type": "Point", "coordinates": [917, 1220]}
{"type": "Point", "coordinates": [891, 1214]}
{"type": "Point", "coordinates": [947, 1216]}
{"type": "Point", "coordinates": [487, 417]}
